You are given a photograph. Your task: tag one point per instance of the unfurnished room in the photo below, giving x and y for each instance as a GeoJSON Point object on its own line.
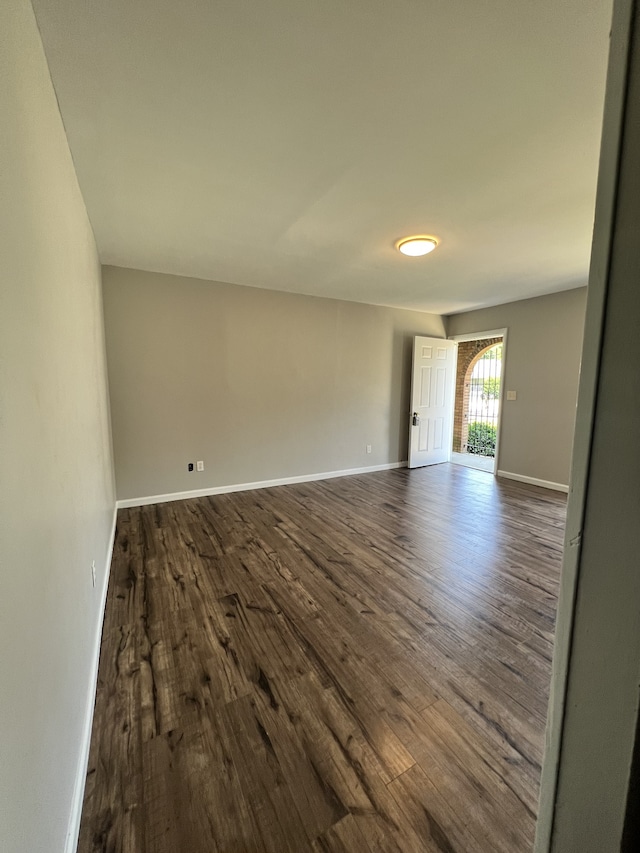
{"type": "Point", "coordinates": [319, 406]}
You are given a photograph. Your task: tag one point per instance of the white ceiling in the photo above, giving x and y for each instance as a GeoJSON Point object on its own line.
{"type": "Point", "coordinates": [288, 143]}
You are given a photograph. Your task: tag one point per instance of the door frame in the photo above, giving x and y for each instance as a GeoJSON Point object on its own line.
{"type": "Point", "coordinates": [480, 336]}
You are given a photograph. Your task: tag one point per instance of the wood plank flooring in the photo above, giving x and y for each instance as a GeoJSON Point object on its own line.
{"type": "Point", "coordinates": [352, 665]}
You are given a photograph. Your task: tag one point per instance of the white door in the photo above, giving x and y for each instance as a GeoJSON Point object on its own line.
{"type": "Point", "coordinates": [433, 381]}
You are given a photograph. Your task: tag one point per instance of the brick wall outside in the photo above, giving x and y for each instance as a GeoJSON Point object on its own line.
{"type": "Point", "coordinates": [468, 354]}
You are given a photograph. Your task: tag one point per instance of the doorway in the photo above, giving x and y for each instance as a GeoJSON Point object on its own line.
{"type": "Point", "coordinates": [478, 399]}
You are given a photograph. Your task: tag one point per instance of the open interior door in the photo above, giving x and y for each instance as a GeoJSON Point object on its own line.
{"type": "Point", "coordinates": [433, 381]}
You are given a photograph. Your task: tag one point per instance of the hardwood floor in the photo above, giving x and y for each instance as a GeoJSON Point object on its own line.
{"type": "Point", "coordinates": [352, 665]}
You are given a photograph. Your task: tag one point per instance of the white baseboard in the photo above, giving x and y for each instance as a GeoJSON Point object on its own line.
{"type": "Point", "coordinates": [78, 792]}
{"type": "Point", "coordinates": [262, 484]}
{"type": "Point", "coordinates": [534, 481]}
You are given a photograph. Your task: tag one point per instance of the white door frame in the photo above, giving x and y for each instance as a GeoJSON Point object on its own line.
{"type": "Point", "coordinates": [480, 336]}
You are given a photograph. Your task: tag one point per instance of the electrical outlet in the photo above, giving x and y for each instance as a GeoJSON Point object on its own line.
{"type": "Point", "coordinates": [190, 466]}
{"type": "Point", "coordinates": [93, 572]}
{"type": "Point", "coordinates": [200, 465]}
{"type": "Point", "coordinates": [368, 448]}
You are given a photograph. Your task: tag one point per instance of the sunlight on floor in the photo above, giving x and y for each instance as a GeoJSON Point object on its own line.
{"type": "Point", "coordinates": [471, 460]}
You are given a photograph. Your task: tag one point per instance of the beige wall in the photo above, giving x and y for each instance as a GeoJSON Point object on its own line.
{"type": "Point", "coordinates": [56, 503]}
{"type": "Point", "coordinates": [259, 384]}
{"type": "Point", "coordinates": [542, 365]}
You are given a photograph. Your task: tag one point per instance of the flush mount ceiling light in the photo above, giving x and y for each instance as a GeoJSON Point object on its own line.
{"type": "Point", "coordinates": [416, 246]}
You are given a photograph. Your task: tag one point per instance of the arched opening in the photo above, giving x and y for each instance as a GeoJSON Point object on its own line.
{"type": "Point", "coordinates": [481, 402]}
{"type": "Point", "coordinates": [477, 406]}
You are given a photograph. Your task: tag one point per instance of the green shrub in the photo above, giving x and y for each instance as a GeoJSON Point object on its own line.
{"type": "Point", "coordinates": [482, 439]}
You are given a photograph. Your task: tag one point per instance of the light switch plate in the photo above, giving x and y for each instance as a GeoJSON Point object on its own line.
{"type": "Point", "coordinates": [200, 466]}
{"type": "Point", "coordinates": [512, 395]}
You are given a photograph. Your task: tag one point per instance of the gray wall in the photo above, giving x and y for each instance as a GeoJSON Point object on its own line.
{"type": "Point", "coordinates": [57, 497]}
{"type": "Point", "coordinates": [257, 383]}
{"type": "Point", "coordinates": [542, 366]}
{"type": "Point", "coordinates": [594, 705]}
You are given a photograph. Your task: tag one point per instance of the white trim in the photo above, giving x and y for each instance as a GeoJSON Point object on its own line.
{"type": "Point", "coordinates": [479, 336]}
{"type": "Point", "coordinates": [73, 829]}
{"type": "Point", "coordinates": [534, 481]}
{"type": "Point", "coordinates": [261, 484]}
{"type": "Point", "coordinates": [503, 396]}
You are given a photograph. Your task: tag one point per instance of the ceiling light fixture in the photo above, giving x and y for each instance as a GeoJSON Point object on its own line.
{"type": "Point", "coordinates": [416, 246]}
